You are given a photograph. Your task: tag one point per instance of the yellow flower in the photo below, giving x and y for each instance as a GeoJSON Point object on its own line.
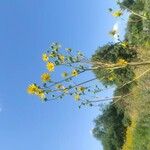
{"type": "Point", "coordinates": [110, 78]}
{"type": "Point", "coordinates": [45, 77]}
{"type": "Point", "coordinates": [66, 90]}
{"type": "Point", "coordinates": [50, 66]}
{"type": "Point", "coordinates": [77, 97]}
{"type": "Point", "coordinates": [32, 89]}
{"type": "Point", "coordinates": [61, 57]}
{"type": "Point", "coordinates": [113, 32]}
{"type": "Point", "coordinates": [117, 13]}
{"type": "Point", "coordinates": [59, 86]}
{"type": "Point", "coordinates": [55, 46]}
{"type": "Point", "coordinates": [74, 73]}
{"type": "Point", "coordinates": [81, 89]}
{"type": "Point", "coordinates": [45, 57]}
{"type": "Point", "coordinates": [42, 96]}
{"type": "Point", "coordinates": [52, 54]}
{"type": "Point", "coordinates": [40, 93]}
{"type": "Point", "coordinates": [122, 62]}
{"type": "Point", "coordinates": [64, 74]}
{"type": "Point", "coordinates": [124, 44]}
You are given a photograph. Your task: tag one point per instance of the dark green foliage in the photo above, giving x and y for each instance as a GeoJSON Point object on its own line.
{"type": "Point", "coordinates": [127, 3]}
{"type": "Point", "coordinates": [123, 76]}
{"type": "Point", "coordinates": [111, 53]}
{"type": "Point", "coordinates": [142, 133]}
{"type": "Point", "coordinates": [109, 128]}
{"type": "Point", "coordinates": [134, 30]}
{"type": "Point", "coordinates": [134, 5]}
{"type": "Point", "coordinates": [138, 5]}
{"type": "Point", "coordinates": [146, 24]}
{"type": "Point", "coordinates": [138, 29]}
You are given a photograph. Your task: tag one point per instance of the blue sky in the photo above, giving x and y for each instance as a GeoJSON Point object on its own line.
{"type": "Point", "coordinates": [27, 27]}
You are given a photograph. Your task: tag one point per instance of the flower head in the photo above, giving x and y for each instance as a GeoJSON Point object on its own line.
{"type": "Point", "coordinates": [64, 74]}
{"type": "Point", "coordinates": [59, 86]}
{"type": "Point", "coordinates": [32, 89]}
{"type": "Point", "coordinates": [66, 90]}
{"type": "Point", "coordinates": [113, 33]}
{"type": "Point", "coordinates": [55, 46]}
{"type": "Point", "coordinates": [122, 62]}
{"type": "Point", "coordinates": [45, 57]}
{"type": "Point", "coordinates": [117, 13]}
{"type": "Point", "coordinates": [69, 49]}
{"type": "Point", "coordinates": [50, 66]}
{"type": "Point", "coordinates": [110, 78]}
{"type": "Point", "coordinates": [81, 89]}
{"type": "Point", "coordinates": [45, 77]}
{"type": "Point", "coordinates": [74, 72]}
{"type": "Point", "coordinates": [61, 57]}
{"type": "Point", "coordinates": [77, 97]}
{"type": "Point", "coordinates": [53, 54]}
{"type": "Point", "coordinates": [40, 93]}
{"type": "Point", "coordinates": [124, 44]}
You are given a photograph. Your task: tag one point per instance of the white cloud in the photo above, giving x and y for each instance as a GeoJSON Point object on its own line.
{"type": "Point", "coordinates": [91, 131]}
{"type": "Point", "coordinates": [116, 29]}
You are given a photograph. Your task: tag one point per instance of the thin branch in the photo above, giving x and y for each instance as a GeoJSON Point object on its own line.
{"type": "Point", "coordinates": [73, 87]}
{"type": "Point", "coordinates": [105, 99]}
{"type": "Point", "coordinates": [111, 65]}
{"type": "Point", "coordinates": [83, 83]}
{"type": "Point", "coordinates": [133, 12]}
{"type": "Point", "coordinates": [61, 81]}
{"type": "Point", "coordinates": [110, 99]}
{"type": "Point", "coordinates": [135, 78]}
{"type": "Point", "coordinates": [122, 97]}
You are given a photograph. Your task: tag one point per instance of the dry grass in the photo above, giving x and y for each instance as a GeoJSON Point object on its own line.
{"type": "Point", "coordinates": [139, 107]}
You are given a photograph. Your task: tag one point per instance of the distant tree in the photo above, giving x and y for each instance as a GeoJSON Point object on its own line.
{"type": "Point", "coordinates": [109, 128]}
{"type": "Point", "coordinates": [113, 53]}
{"type": "Point", "coordinates": [134, 30]}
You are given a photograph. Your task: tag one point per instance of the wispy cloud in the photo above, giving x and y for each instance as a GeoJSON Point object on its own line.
{"type": "Point", "coordinates": [116, 29]}
{"type": "Point", "coordinates": [91, 131]}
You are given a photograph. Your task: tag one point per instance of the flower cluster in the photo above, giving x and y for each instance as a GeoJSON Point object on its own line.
{"type": "Point", "coordinates": [35, 90]}
{"type": "Point", "coordinates": [122, 62]}
{"type": "Point", "coordinates": [54, 57]}
{"type": "Point", "coordinates": [117, 13]}
{"type": "Point", "coordinates": [73, 64]}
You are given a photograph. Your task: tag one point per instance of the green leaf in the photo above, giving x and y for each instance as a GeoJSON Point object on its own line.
{"type": "Point", "coordinates": [57, 62]}
{"type": "Point", "coordinates": [71, 59]}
